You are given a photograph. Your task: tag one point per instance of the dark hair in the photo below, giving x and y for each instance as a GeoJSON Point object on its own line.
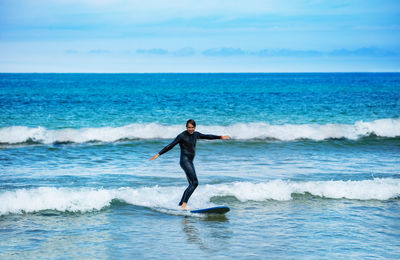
{"type": "Point", "coordinates": [192, 122]}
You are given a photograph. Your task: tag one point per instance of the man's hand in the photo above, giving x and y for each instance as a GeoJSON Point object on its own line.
{"type": "Point", "coordinates": [154, 157]}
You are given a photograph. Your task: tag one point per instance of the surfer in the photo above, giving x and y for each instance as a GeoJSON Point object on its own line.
{"type": "Point", "coordinates": [187, 142]}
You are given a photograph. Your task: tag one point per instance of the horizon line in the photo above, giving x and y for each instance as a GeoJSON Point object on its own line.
{"type": "Point", "coordinates": [194, 72]}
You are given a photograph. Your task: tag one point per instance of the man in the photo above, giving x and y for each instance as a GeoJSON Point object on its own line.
{"type": "Point", "coordinates": [187, 142]}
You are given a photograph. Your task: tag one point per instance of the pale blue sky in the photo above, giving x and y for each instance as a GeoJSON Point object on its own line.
{"type": "Point", "coordinates": [199, 36]}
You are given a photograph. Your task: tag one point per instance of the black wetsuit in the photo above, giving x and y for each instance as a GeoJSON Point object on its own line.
{"type": "Point", "coordinates": [187, 142]}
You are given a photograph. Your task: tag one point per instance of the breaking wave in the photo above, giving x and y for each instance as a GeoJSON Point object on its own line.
{"type": "Point", "coordinates": [166, 198]}
{"type": "Point", "coordinates": [386, 128]}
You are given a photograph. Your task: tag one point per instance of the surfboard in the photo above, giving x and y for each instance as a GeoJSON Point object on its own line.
{"type": "Point", "coordinates": [213, 210]}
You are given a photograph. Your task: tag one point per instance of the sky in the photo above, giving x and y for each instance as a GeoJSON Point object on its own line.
{"type": "Point", "coordinates": [130, 36]}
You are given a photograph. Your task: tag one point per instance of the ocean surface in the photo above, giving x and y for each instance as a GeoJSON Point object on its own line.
{"type": "Point", "coordinates": [312, 170]}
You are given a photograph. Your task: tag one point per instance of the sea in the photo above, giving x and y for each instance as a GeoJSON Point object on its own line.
{"type": "Point", "coordinates": [312, 169]}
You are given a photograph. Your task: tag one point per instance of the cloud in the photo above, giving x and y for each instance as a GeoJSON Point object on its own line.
{"type": "Point", "coordinates": [294, 53]}
{"type": "Point", "coordinates": [360, 52]}
{"type": "Point", "coordinates": [188, 51]}
{"type": "Point", "coordinates": [99, 51]}
{"type": "Point", "coordinates": [263, 53]}
{"type": "Point", "coordinates": [71, 51]}
{"type": "Point", "coordinates": [366, 52]}
{"type": "Point", "coordinates": [224, 52]}
{"type": "Point", "coordinates": [288, 53]}
{"type": "Point", "coordinates": [156, 10]}
{"type": "Point", "coordinates": [154, 51]}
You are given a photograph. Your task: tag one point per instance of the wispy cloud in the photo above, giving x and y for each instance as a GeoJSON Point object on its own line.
{"type": "Point", "coordinates": [71, 51]}
{"type": "Point", "coordinates": [263, 53]}
{"type": "Point", "coordinates": [294, 53]}
{"type": "Point", "coordinates": [288, 53]}
{"type": "Point", "coordinates": [187, 51]}
{"type": "Point", "coordinates": [224, 52]}
{"type": "Point", "coordinates": [99, 51]}
{"type": "Point", "coordinates": [367, 52]}
{"type": "Point", "coordinates": [154, 51]}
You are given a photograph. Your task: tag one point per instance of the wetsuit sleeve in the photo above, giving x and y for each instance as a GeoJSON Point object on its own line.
{"type": "Point", "coordinates": [170, 146]}
{"type": "Point", "coordinates": [203, 136]}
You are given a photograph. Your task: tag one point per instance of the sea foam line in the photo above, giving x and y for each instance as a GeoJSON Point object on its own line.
{"type": "Point", "coordinates": [92, 199]}
{"type": "Point", "coordinates": [387, 128]}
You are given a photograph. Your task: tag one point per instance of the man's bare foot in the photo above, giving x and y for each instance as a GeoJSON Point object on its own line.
{"type": "Point", "coordinates": [184, 206]}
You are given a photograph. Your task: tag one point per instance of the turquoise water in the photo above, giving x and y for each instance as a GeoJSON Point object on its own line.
{"type": "Point", "coordinates": [312, 170]}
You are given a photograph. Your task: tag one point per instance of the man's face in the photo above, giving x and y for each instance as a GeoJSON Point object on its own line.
{"type": "Point", "coordinates": [190, 128]}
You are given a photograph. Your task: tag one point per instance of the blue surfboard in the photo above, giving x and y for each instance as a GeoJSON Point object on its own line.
{"type": "Point", "coordinates": [213, 210]}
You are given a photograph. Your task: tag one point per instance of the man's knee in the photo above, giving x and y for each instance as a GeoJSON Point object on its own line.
{"type": "Point", "coordinates": [195, 183]}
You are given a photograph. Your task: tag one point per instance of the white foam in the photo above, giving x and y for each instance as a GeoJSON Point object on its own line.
{"type": "Point", "coordinates": [166, 198]}
{"type": "Point", "coordinates": [378, 189]}
{"type": "Point", "coordinates": [21, 134]}
{"type": "Point", "coordinates": [389, 128]}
